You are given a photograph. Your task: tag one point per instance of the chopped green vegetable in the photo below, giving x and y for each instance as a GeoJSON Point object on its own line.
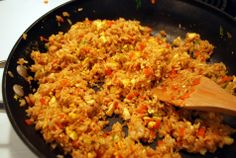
{"type": "Point", "coordinates": [138, 4]}
{"type": "Point", "coordinates": [221, 31]}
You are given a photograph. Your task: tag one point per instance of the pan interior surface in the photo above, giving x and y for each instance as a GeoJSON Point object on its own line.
{"type": "Point", "coordinates": [175, 17]}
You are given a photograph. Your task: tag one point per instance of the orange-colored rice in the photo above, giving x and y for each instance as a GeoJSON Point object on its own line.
{"type": "Point", "coordinates": [124, 61]}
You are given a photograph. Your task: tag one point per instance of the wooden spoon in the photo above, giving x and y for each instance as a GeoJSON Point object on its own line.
{"type": "Point", "coordinates": [206, 96]}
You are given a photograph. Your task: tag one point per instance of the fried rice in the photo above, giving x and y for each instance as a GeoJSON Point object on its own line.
{"type": "Point", "coordinates": [105, 68]}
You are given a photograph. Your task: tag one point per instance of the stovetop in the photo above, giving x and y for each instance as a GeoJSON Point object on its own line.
{"type": "Point", "coordinates": [16, 16]}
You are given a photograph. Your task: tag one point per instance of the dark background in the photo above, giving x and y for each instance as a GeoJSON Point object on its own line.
{"type": "Point", "coordinates": [229, 6]}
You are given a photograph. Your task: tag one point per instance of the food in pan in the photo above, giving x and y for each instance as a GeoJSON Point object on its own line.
{"type": "Point", "coordinates": [103, 69]}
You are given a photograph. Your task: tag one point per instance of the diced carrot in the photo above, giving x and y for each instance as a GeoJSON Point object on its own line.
{"type": "Point", "coordinates": [203, 59]}
{"type": "Point", "coordinates": [201, 132]}
{"type": "Point", "coordinates": [142, 45]}
{"type": "Point", "coordinates": [167, 46]}
{"type": "Point", "coordinates": [119, 156]}
{"type": "Point", "coordinates": [148, 71]}
{"type": "Point", "coordinates": [226, 79]}
{"type": "Point", "coordinates": [116, 105]}
{"type": "Point", "coordinates": [65, 82]}
{"type": "Point", "coordinates": [160, 142]}
{"type": "Point", "coordinates": [173, 73]}
{"type": "Point", "coordinates": [42, 101]}
{"type": "Point", "coordinates": [159, 40]}
{"type": "Point", "coordinates": [174, 87]}
{"type": "Point", "coordinates": [77, 91]}
{"type": "Point", "coordinates": [59, 125]}
{"type": "Point", "coordinates": [152, 133]}
{"type": "Point", "coordinates": [108, 71]}
{"type": "Point", "coordinates": [132, 55]}
{"type": "Point", "coordinates": [186, 95]}
{"type": "Point", "coordinates": [142, 109]}
{"type": "Point", "coordinates": [130, 96]}
{"type": "Point", "coordinates": [142, 97]}
{"type": "Point", "coordinates": [110, 23]}
{"type": "Point", "coordinates": [62, 116]}
{"type": "Point", "coordinates": [29, 122]}
{"type": "Point", "coordinates": [196, 54]}
{"type": "Point", "coordinates": [181, 131]}
{"type": "Point", "coordinates": [158, 124]}
{"type": "Point", "coordinates": [196, 81]}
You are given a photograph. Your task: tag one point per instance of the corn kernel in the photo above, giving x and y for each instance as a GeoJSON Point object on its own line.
{"type": "Point", "coordinates": [73, 115]}
{"type": "Point", "coordinates": [203, 151]}
{"type": "Point", "coordinates": [103, 39]}
{"type": "Point", "coordinates": [191, 35]}
{"type": "Point", "coordinates": [91, 155]}
{"type": "Point", "coordinates": [151, 124]}
{"type": "Point", "coordinates": [73, 135]}
{"type": "Point", "coordinates": [126, 114]}
{"type": "Point", "coordinates": [125, 82]}
{"type": "Point", "coordinates": [110, 109]}
{"type": "Point", "coordinates": [228, 140]}
{"type": "Point", "coordinates": [52, 102]}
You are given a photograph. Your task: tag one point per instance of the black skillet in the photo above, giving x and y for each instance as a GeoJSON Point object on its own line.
{"type": "Point", "coordinates": [176, 17]}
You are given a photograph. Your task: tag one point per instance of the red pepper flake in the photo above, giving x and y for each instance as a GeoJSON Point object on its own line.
{"type": "Point", "coordinates": [28, 122]}
{"type": "Point", "coordinates": [201, 132]}
{"type": "Point", "coordinates": [108, 71]}
{"type": "Point", "coordinates": [148, 71]}
{"type": "Point", "coordinates": [181, 131]}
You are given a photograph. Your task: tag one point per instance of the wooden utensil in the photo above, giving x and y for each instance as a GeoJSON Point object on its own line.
{"type": "Point", "coordinates": [206, 96]}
